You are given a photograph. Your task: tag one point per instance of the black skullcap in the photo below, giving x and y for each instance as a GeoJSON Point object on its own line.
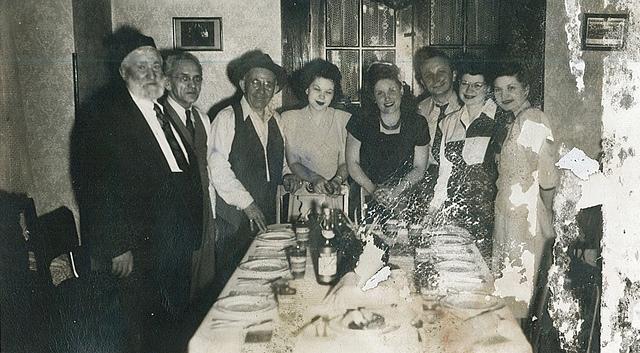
{"type": "Point", "coordinates": [122, 42]}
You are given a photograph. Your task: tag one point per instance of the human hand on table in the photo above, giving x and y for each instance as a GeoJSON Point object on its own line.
{"type": "Point", "coordinates": [336, 184]}
{"type": "Point", "coordinates": [291, 183]}
{"type": "Point", "coordinates": [321, 185]}
{"type": "Point", "coordinates": [122, 265]}
{"type": "Point", "coordinates": [256, 217]}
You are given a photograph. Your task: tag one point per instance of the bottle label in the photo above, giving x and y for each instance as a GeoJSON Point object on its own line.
{"type": "Point", "coordinates": [328, 234]}
{"type": "Point", "coordinates": [328, 264]}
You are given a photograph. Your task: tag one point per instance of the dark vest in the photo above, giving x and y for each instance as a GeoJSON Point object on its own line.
{"type": "Point", "coordinates": [248, 165]}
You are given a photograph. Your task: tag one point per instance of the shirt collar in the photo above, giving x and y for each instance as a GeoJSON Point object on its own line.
{"type": "Point", "coordinates": [453, 104]}
{"type": "Point", "coordinates": [526, 105]}
{"type": "Point", "coordinates": [248, 111]}
{"type": "Point", "coordinates": [488, 108]}
{"type": "Point", "coordinates": [180, 110]}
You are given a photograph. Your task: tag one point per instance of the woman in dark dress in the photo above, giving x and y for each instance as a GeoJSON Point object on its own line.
{"type": "Point", "coordinates": [387, 145]}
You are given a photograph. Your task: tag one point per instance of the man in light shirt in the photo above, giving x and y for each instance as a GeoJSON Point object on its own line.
{"type": "Point", "coordinates": [184, 83]}
{"type": "Point", "coordinates": [247, 159]}
{"type": "Point", "coordinates": [140, 207]}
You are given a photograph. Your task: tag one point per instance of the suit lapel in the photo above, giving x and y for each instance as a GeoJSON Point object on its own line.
{"type": "Point", "coordinates": [177, 123]}
{"type": "Point", "coordinates": [141, 132]}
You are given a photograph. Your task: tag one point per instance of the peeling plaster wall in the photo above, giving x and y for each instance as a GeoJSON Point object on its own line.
{"type": "Point", "coordinates": [576, 115]}
{"type": "Point", "coordinates": [246, 24]}
{"type": "Point", "coordinates": [607, 108]}
{"type": "Point", "coordinates": [621, 132]}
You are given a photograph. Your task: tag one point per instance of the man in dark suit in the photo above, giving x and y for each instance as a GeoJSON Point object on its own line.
{"type": "Point", "coordinates": [140, 200]}
{"type": "Point", "coordinates": [184, 82]}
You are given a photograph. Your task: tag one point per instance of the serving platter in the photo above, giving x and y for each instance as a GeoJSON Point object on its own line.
{"type": "Point", "coordinates": [371, 322]}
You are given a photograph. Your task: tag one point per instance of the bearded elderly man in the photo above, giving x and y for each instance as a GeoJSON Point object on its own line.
{"type": "Point", "coordinates": [247, 159]}
{"type": "Point", "coordinates": [141, 214]}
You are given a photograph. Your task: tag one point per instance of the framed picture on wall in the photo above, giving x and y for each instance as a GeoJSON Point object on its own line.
{"type": "Point", "coordinates": [604, 31]}
{"type": "Point", "coordinates": [197, 33]}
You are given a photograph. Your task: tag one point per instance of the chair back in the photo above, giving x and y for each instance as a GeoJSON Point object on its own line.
{"type": "Point", "coordinates": [302, 202]}
{"type": "Point", "coordinates": [59, 245]}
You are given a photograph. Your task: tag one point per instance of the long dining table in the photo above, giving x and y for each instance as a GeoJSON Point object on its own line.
{"type": "Point", "coordinates": [251, 316]}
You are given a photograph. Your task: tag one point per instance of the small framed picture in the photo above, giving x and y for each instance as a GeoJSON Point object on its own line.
{"type": "Point", "coordinates": [197, 33]}
{"type": "Point", "coordinates": [604, 31]}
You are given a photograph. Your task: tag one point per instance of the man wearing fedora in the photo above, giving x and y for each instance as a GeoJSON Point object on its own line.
{"type": "Point", "coordinates": [247, 159]}
{"type": "Point", "coordinates": [140, 204]}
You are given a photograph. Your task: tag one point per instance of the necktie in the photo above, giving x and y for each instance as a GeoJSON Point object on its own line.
{"type": "Point", "coordinates": [437, 138]}
{"type": "Point", "coordinates": [190, 127]}
{"type": "Point", "coordinates": [171, 138]}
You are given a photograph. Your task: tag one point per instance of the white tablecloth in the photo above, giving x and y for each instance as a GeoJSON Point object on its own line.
{"type": "Point", "coordinates": [494, 332]}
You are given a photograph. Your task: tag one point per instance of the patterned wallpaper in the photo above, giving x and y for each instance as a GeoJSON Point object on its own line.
{"type": "Point", "coordinates": [246, 25]}
{"type": "Point", "coordinates": [44, 46]}
{"type": "Point", "coordinates": [44, 43]}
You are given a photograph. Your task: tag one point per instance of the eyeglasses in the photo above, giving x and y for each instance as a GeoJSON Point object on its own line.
{"type": "Point", "coordinates": [474, 85]}
{"type": "Point", "coordinates": [266, 85]}
{"type": "Point", "coordinates": [187, 79]}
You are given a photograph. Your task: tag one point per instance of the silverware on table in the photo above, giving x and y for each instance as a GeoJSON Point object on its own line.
{"type": "Point", "coordinates": [220, 323]}
{"type": "Point", "coordinates": [261, 280]}
{"type": "Point", "coordinates": [301, 328]}
{"type": "Point", "coordinates": [484, 312]}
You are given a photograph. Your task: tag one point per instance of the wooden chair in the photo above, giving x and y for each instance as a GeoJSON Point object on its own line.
{"type": "Point", "coordinates": [302, 201]}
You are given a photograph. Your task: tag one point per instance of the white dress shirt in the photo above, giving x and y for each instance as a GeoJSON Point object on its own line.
{"type": "Point", "coordinates": [146, 107]}
{"type": "Point", "coordinates": [180, 110]}
{"type": "Point", "coordinates": [222, 134]}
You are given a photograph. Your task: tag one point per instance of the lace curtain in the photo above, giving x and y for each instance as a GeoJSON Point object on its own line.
{"type": "Point", "coordinates": [15, 173]}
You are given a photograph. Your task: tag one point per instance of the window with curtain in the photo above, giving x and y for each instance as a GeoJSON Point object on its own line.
{"type": "Point", "coordinates": [357, 33]}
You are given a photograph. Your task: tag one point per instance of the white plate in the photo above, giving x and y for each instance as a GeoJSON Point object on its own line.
{"type": "Point", "coordinates": [277, 236]}
{"type": "Point", "coordinates": [265, 265]}
{"type": "Point", "coordinates": [245, 304]}
{"type": "Point", "coordinates": [472, 301]}
{"type": "Point", "coordinates": [449, 240]}
{"type": "Point", "coordinates": [281, 226]}
{"type": "Point", "coordinates": [456, 266]}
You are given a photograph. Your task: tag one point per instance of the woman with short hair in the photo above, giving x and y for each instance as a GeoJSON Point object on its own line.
{"type": "Point", "coordinates": [387, 144]}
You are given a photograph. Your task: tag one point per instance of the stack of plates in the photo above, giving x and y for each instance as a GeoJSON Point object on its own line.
{"type": "Point", "coordinates": [265, 268]}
